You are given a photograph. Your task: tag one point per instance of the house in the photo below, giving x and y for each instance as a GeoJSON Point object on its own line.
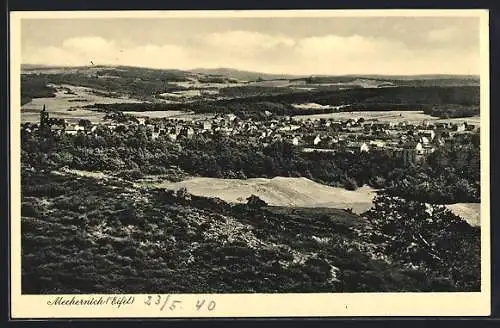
{"type": "Point", "coordinates": [58, 129]}
{"type": "Point", "coordinates": [207, 125]}
{"type": "Point", "coordinates": [429, 134]}
{"type": "Point", "coordinates": [364, 148]}
{"type": "Point", "coordinates": [178, 129]}
{"type": "Point", "coordinates": [329, 142]}
{"type": "Point", "coordinates": [460, 127]}
{"type": "Point", "coordinates": [428, 149]}
{"type": "Point", "coordinates": [141, 120]}
{"type": "Point", "coordinates": [73, 129]}
{"type": "Point", "coordinates": [470, 127]}
{"type": "Point", "coordinates": [276, 137]}
{"type": "Point", "coordinates": [295, 141]}
{"type": "Point", "coordinates": [335, 126]}
{"type": "Point", "coordinates": [424, 140]}
{"type": "Point", "coordinates": [317, 140]}
{"type": "Point", "coordinates": [380, 125]}
{"type": "Point", "coordinates": [155, 135]}
{"type": "Point", "coordinates": [358, 147]}
{"type": "Point", "coordinates": [377, 143]}
{"type": "Point", "coordinates": [310, 140]}
{"type": "Point", "coordinates": [441, 126]}
{"type": "Point", "coordinates": [227, 131]}
{"type": "Point", "coordinates": [419, 148]}
{"type": "Point", "coordinates": [439, 141]}
{"type": "Point", "coordinates": [410, 152]}
{"type": "Point", "coordinates": [172, 135]}
{"type": "Point", "coordinates": [187, 132]}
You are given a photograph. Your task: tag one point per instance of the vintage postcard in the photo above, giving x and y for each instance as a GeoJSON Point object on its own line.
{"type": "Point", "coordinates": [249, 163]}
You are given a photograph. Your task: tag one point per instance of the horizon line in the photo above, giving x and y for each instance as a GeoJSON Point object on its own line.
{"type": "Point", "coordinates": [48, 66]}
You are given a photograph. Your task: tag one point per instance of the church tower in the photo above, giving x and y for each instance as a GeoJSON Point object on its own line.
{"type": "Point", "coordinates": [44, 119]}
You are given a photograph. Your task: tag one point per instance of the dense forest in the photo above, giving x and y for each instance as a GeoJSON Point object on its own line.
{"type": "Point", "coordinates": [452, 111]}
{"type": "Point", "coordinates": [466, 99]}
{"type": "Point", "coordinates": [451, 174]}
{"type": "Point", "coordinates": [408, 96]}
{"type": "Point", "coordinates": [35, 88]}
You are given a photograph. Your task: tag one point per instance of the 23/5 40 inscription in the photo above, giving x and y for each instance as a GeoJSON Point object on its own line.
{"type": "Point", "coordinates": [167, 302]}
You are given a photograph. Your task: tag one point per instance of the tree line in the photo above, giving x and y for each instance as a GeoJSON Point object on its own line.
{"type": "Point", "coordinates": [451, 174]}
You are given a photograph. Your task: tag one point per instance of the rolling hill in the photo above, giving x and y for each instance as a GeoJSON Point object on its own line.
{"type": "Point", "coordinates": [243, 75]}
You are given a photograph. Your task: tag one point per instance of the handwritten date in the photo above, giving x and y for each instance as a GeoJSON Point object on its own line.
{"type": "Point", "coordinates": [168, 302]}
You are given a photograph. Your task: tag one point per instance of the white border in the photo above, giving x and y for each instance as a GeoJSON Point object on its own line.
{"type": "Point", "coordinates": [257, 305]}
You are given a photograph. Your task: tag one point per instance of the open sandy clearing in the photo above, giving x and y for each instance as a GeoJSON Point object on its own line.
{"type": "Point", "coordinates": [298, 192]}
{"type": "Point", "coordinates": [279, 191]}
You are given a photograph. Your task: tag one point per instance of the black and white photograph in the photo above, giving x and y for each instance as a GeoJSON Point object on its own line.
{"type": "Point", "coordinates": [240, 154]}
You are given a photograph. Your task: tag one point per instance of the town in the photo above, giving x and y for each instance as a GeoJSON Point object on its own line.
{"type": "Point", "coordinates": [409, 141]}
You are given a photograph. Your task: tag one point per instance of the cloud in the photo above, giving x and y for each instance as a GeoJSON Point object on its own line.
{"type": "Point", "coordinates": [82, 50]}
{"type": "Point", "coordinates": [247, 50]}
{"type": "Point", "coordinates": [246, 40]}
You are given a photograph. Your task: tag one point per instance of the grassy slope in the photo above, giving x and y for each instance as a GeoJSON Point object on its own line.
{"type": "Point", "coordinates": [95, 236]}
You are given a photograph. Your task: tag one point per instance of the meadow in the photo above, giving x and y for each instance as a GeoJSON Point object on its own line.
{"type": "Point", "coordinates": [395, 116]}
{"type": "Point", "coordinates": [69, 102]}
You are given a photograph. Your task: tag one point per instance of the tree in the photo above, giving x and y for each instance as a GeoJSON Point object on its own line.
{"type": "Point", "coordinates": [429, 237]}
{"type": "Point", "coordinates": [183, 195]}
{"type": "Point", "coordinates": [85, 123]}
{"type": "Point", "coordinates": [255, 202]}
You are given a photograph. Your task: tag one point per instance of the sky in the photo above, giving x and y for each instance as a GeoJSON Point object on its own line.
{"type": "Point", "coordinates": [289, 45]}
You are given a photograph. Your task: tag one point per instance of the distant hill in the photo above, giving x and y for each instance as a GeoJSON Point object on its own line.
{"type": "Point", "coordinates": [243, 75]}
{"type": "Point", "coordinates": [253, 76]}
{"type": "Point", "coordinates": [402, 80]}
{"type": "Point", "coordinates": [419, 77]}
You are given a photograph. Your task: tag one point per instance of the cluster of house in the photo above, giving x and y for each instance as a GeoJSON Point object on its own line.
{"type": "Point", "coordinates": [411, 141]}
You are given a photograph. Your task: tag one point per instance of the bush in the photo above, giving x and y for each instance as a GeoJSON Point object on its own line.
{"type": "Point", "coordinates": [350, 184]}
{"type": "Point", "coordinates": [30, 210]}
{"type": "Point", "coordinates": [131, 174]}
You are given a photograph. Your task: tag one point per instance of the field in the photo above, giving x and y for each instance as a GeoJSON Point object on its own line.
{"type": "Point", "coordinates": [68, 103]}
{"type": "Point", "coordinates": [174, 114]}
{"type": "Point", "coordinates": [391, 116]}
